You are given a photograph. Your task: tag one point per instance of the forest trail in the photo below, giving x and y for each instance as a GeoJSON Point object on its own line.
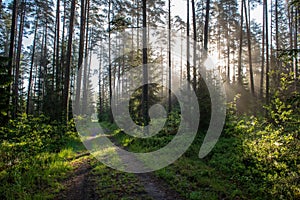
{"type": "Point", "coordinates": [81, 184]}
{"type": "Point", "coordinates": [156, 188]}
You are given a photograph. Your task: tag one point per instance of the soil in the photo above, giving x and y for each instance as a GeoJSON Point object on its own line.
{"type": "Point", "coordinates": [80, 185]}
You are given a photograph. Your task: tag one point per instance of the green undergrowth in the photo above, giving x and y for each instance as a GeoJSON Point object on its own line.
{"type": "Point", "coordinates": [190, 176]}
{"type": "Point", "coordinates": [35, 157]}
{"type": "Point", "coordinates": [142, 145]}
{"type": "Point", "coordinates": [255, 157]}
{"type": "Point", "coordinates": [196, 178]}
{"type": "Point", "coordinates": [36, 178]}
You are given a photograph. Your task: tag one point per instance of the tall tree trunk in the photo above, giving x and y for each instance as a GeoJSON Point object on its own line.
{"type": "Point", "coordinates": [267, 51]}
{"type": "Point", "coordinates": [205, 41]}
{"type": "Point", "coordinates": [63, 57]}
{"type": "Point", "coordinates": [18, 61]}
{"type": "Point", "coordinates": [276, 27]}
{"type": "Point", "coordinates": [145, 67]}
{"type": "Point", "coordinates": [109, 63]}
{"type": "Point", "coordinates": [45, 67]}
{"type": "Point", "coordinates": [31, 68]}
{"type": "Point", "coordinates": [240, 79]}
{"type": "Point", "coordinates": [188, 65]}
{"type": "Point", "coordinates": [85, 70]}
{"type": "Point", "coordinates": [81, 48]}
{"type": "Point", "coordinates": [277, 62]}
{"type": "Point", "coordinates": [296, 43]}
{"type": "Point", "coordinates": [181, 56]}
{"type": "Point", "coordinates": [68, 64]}
{"type": "Point", "coordinates": [194, 44]}
{"type": "Point", "coordinates": [57, 45]}
{"type": "Point", "coordinates": [12, 44]}
{"type": "Point", "coordinates": [138, 25]}
{"type": "Point", "coordinates": [54, 57]}
{"type": "Point", "coordinates": [228, 49]}
{"type": "Point", "coordinates": [263, 57]}
{"type": "Point", "coordinates": [290, 19]}
{"type": "Point", "coordinates": [228, 55]}
{"type": "Point", "coordinates": [162, 70]}
{"type": "Point", "coordinates": [40, 74]}
{"type": "Point", "coordinates": [100, 80]}
{"type": "Point", "coordinates": [249, 50]}
{"type": "Point", "coordinates": [169, 54]}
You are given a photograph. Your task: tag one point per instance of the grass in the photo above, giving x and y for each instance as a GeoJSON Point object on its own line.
{"type": "Point", "coordinates": [39, 176]}
{"type": "Point", "coordinates": [191, 177]}
{"type": "Point", "coordinates": [194, 179]}
{"type": "Point", "coordinates": [33, 178]}
{"type": "Point", "coordinates": [113, 184]}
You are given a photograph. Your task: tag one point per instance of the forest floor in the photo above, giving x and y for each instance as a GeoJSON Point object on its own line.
{"type": "Point", "coordinates": [79, 184]}
{"type": "Point", "coordinates": [187, 178]}
{"type": "Point", "coordinates": [92, 180]}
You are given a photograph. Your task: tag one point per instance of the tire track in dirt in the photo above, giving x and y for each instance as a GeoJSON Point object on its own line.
{"type": "Point", "coordinates": [156, 188]}
{"type": "Point", "coordinates": [79, 185]}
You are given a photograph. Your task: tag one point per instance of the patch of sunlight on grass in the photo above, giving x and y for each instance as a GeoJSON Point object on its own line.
{"type": "Point", "coordinates": [66, 153]}
{"type": "Point", "coordinates": [109, 155]}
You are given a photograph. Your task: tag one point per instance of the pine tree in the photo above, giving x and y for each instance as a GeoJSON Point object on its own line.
{"type": "Point", "coordinates": [68, 63]}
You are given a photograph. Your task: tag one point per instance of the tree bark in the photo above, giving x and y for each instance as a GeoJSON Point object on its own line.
{"type": "Point", "coordinates": [169, 60]}
{"type": "Point", "coordinates": [194, 44]}
{"type": "Point", "coordinates": [263, 57]}
{"type": "Point", "coordinates": [80, 58]}
{"type": "Point", "coordinates": [18, 61]}
{"type": "Point", "coordinates": [109, 63]}
{"type": "Point", "coordinates": [31, 69]}
{"type": "Point", "coordinates": [249, 50]}
{"type": "Point", "coordinates": [12, 44]}
{"type": "Point", "coordinates": [296, 44]}
{"type": "Point", "coordinates": [240, 79]}
{"type": "Point", "coordinates": [267, 51]}
{"type": "Point", "coordinates": [68, 64]}
{"type": "Point", "coordinates": [57, 45]}
{"type": "Point", "coordinates": [145, 97]}
{"type": "Point", "coordinates": [86, 70]}
{"type": "Point", "coordinates": [205, 41]}
{"type": "Point", "coordinates": [99, 82]}
{"type": "Point", "coordinates": [188, 65]}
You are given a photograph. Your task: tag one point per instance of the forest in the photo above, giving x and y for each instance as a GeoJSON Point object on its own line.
{"type": "Point", "coordinates": [150, 99]}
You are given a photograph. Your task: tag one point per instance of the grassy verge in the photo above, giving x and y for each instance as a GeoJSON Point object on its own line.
{"type": "Point", "coordinates": [196, 178]}
{"type": "Point", "coordinates": [253, 159]}
{"type": "Point", "coordinates": [35, 156]}
{"type": "Point", "coordinates": [37, 177]}
{"type": "Point", "coordinates": [191, 177]}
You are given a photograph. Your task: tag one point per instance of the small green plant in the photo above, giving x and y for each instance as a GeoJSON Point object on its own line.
{"type": "Point", "coordinates": [34, 157]}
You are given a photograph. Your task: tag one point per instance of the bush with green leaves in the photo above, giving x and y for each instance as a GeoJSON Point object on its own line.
{"type": "Point", "coordinates": [270, 146]}
{"type": "Point", "coordinates": [33, 156]}
{"type": "Point", "coordinates": [28, 136]}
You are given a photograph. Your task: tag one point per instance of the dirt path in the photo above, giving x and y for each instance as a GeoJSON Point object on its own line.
{"type": "Point", "coordinates": [156, 188]}
{"type": "Point", "coordinates": [79, 186]}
